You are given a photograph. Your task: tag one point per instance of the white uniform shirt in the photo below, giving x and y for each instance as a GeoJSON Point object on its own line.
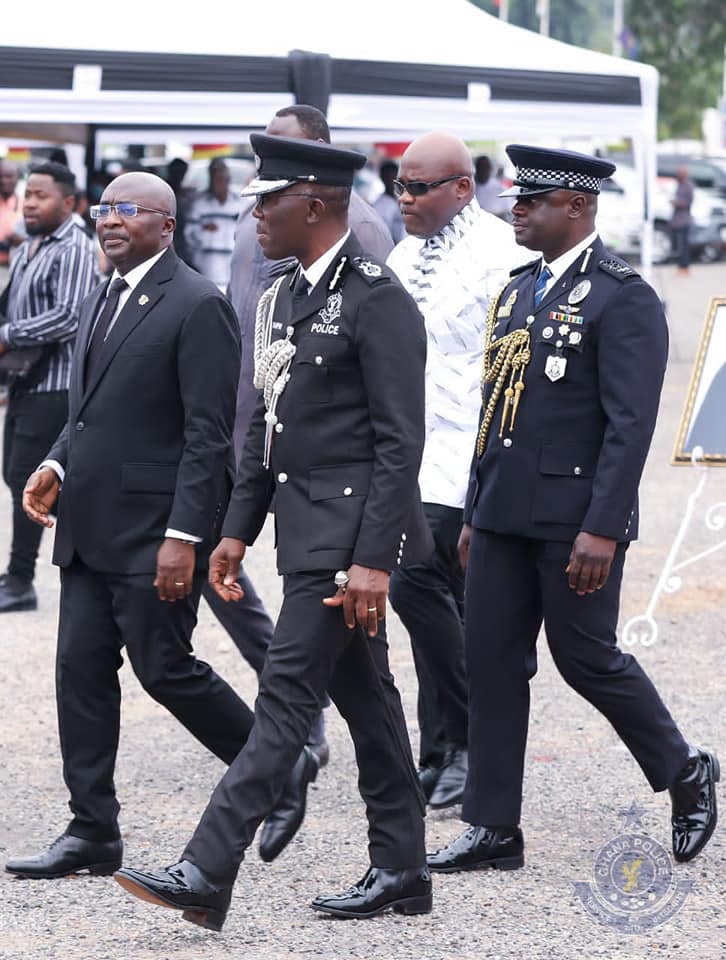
{"type": "Point", "coordinates": [477, 251]}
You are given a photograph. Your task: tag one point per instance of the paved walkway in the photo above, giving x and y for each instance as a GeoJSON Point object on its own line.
{"type": "Point", "coordinates": [579, 779]}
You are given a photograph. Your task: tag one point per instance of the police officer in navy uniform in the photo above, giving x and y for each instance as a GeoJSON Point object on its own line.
{"type": "Point", "coordinates": [336, 438]}
{"type": "Point", "coordinates": [575, 355]}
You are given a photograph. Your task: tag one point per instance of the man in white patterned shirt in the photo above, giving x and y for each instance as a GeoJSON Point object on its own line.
{"type": "Point", "coordinates": [455, 257]}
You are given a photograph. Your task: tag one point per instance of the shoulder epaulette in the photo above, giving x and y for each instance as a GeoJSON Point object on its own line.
{"type": "Point", "coordinates": [525, 266]}
{"type": "Point", "coordinates": [618, 269]}
{"type": "Point", "coordinates": [367, 268]}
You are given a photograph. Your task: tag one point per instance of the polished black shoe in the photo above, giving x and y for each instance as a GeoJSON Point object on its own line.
{"type": "Point", "coordinates": [284, 821]}
{"type": "Point", "coordinates": [68, 855]}
{"type": "Point", "coordinates": [693, 801]}
{"type": "Point", "coordinates": [449, 789]}
{"type": "Point", "coordinates": [403, 891]}
{"type": "Point", "coordinates": [428, 778]}
{"type": "Point", "coordinates": [16, 594]}
{"type": "Point", "coordinates": [476, 847]}
{"type": "Point", "coordinates": [182, 886]}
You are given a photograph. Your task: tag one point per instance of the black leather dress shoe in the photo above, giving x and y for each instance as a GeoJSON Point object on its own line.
{"type": "Point", "coordinates": [476, 847]}
{"type": "Point", "coordinates": [428, 777]}
{"type": "Point", "coordinates": [693, 802]}
{"type": "Point", "coordinates": [16, 594]}
{"type": "Point", "coordinates": [182, 886]}
{"type": "Point", "coordinates": [403, 891]}
{"type": "Point", "coordinates": [284, 821]}
{"type": "Point", "coordinates": [449, 789]}
{"type": "Point", "coordinates": [68, 855]}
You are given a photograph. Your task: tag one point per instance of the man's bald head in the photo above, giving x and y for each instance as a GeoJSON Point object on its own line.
{"type": "Point", "coordinates": [129, 241]}
{"type": "Point", "coordinates": [432, 158]}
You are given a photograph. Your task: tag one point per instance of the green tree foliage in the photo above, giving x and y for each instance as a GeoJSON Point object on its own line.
{"type": "Point", "coordinates": [685, 40]}
{"type": "Point", "coordinates": [586, 23]}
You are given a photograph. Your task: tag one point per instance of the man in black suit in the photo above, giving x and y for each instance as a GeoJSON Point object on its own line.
{"type": "Point", "coordinates": [575, 353]}
{"type": "Point", "coordinates": [336, 437]}
{"type": "Point", "coordinates": [142, 473]}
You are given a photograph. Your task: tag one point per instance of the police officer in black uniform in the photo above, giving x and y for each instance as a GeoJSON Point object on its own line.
{"type": "Point", "coordinates": [575, 354]}
{"type": "Point", "coordinates": [336, 438]}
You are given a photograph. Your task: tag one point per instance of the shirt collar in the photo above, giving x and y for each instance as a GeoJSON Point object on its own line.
{"type": "Point", "coordinates": [563, 263]}
{"type": "Point", "coordinates": [134, 277]}
{"type": "Point", "coordinates": [316, 270]}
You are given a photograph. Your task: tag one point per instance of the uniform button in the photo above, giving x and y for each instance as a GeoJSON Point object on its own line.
{"type": "Point", "coordinates": [318, 360]}
{"type": "Point", "coordinates": [507, 442]}
{"type": "Point", "coordinates": [398, 561]}
{"type": "Point", "coordinates": [403, 537]}
{"type": "Point", "coordinates": [80, 425]}
{"type": "Point", "coordinates": [347, 492]}
{"type": "Point", "coordinates": [279, 427]}
{"type": "Point", "coordinates": [577, 471]}
{"type": "Point", "coordinates": [282, 478]}
{"type": "Point", "coordinates": [530, 319]}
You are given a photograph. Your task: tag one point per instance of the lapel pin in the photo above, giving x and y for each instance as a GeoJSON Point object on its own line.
{"type": "Point", "coordinates": [143, 300]}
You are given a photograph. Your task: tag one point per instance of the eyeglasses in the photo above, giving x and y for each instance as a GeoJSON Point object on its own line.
{"type": "Point", "coordinates": [102, 211]}
{"type": "Point", "coordinates": [417, 188]}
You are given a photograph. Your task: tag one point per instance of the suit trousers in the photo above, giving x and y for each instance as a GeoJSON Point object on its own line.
{"type": "Point", "coordinates": [513, 584]}
{"type": "Point", "coordinates": [32, 424]}
{"type": "Point", "coordinates": [100, 614]}
{"type": "Point", "coordinates": [312, 651]}
{"type": "Point", "coordinates": [429, 599]}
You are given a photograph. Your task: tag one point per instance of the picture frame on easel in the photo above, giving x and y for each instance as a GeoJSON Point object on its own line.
{"type": "Point", "coordinates": [703, 421]}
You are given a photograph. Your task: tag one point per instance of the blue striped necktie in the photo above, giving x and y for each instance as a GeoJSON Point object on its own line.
{"type": "Point", "coordinates": [539, 287]}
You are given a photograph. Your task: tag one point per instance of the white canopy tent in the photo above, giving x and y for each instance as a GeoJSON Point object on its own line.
{"type": "Point", "coordinates": [385, 70]}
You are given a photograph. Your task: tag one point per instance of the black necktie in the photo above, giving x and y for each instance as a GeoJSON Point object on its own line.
{"type": "Point", "coordinates": [102, 324]}
{"type": "Point", "coordinates": [301, 286]}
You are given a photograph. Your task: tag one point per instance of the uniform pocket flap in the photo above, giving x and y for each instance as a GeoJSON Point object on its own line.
{"type": "Point", "coordinates": [148, 477]}
{"type": "Point", "coordinates": [344, 480]}
{"type": "Point", "coordinates": [568, 459]}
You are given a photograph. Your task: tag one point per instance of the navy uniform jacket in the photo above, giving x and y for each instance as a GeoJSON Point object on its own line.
{"type": "Point", "coordinates": [575, 456]}
{"type": "Point", "coordinates": [147, 445]}
{"type": "Point", "coordinates": [347, 448]}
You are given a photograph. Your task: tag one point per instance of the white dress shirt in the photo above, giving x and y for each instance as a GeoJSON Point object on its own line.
{"type": "Point", "coordinates": [560, 265]}
{"type": "Point", "coordinates": [476, 252]}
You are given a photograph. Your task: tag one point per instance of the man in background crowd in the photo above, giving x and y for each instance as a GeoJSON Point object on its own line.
{"type": "Point", "coordinates": [681, 219]}
{"type": "Point", "coordinates": [211, 223]}
{"type": "Point", "coordinates": [387, 203]}
{"type": "Point", "coordinates": [52, 272]}
{"type": "Point", "coordinates": [488, 189]}
{"type": "Point", "coordinates": [11, 234]}
{"type": "Point", "coordinates": [454, 260]}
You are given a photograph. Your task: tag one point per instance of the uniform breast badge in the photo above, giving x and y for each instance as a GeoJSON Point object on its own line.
{"type": "Point", "coordinates": [555, 367]}
{"type": "Point", "coordinates": [506, 310]}
{"type": "Point", "coordinates": [331, 311]}
{"type": "Point", "coordinates": [578, 293]}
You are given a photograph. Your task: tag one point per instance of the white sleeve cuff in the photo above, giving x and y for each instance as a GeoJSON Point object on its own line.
{"type": "Point", "coordinates": [179, 535]}
{"type": "Point", "coordinates": [55, 467]}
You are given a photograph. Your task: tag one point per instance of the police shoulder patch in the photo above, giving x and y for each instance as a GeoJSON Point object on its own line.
{"type": "Point", "coordinates": [367, 268]}
{"type": "Point", "coordinates": [618, 268]}
{"type": "Point", "coordinates": [530, 265]}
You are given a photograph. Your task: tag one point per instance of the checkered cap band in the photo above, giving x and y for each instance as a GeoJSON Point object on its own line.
{"type": "Point", "coordinates": [565, 179]}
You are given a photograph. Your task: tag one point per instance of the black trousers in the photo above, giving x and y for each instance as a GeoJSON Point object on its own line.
{"type": "Point", "coordinates": [32, 424]}
{"type": "Point", "coordinates": [512, 585]}
{"type": "Point", "coordinates": [100, 614]}
{"type": "Point", "coordinates": [680, 242]}
{"type": "Point", "coordinates": [429, 599]}
{"type": "Point", "coordinates": [312, 651]}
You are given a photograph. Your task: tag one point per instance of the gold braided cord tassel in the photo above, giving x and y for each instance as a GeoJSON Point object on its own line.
{"type": "Point", "coordinates": [504, 359]}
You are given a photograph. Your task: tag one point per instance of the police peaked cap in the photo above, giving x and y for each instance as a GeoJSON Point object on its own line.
{"type": "Point", "coordinates": [542, 171]}
{"type": "Point", "coordinates": [282, 161]}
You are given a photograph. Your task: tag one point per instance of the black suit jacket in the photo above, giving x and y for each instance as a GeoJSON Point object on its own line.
{"type": "Point", "coordinates": [347, 448]}
{"type": "Point", "coordinates": [574, 459]}
{"type": "Point", "coordinates": [148, 440]}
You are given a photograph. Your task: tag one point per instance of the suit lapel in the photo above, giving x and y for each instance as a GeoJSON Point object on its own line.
{"type": "Point", "coordinates": [144, 297]}
{"type": "Point", "coordinates": [89, 313]}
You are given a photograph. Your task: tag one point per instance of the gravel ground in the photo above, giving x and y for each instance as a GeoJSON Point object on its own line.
{"type": "Point", "coordinates": [578, 779]}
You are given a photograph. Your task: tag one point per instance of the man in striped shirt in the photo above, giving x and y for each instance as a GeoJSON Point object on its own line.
{"type": "Point", "coordinates": [53, 271]}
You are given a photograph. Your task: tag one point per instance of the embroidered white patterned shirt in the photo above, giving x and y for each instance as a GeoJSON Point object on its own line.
{"type": "Point", "coordinates": [452, 277]}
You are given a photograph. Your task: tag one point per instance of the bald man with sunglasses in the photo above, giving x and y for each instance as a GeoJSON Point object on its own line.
{"type": "Point", "coordinates": [455, 258]}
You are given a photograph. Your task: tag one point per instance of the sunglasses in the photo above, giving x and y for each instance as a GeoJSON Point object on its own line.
{"type": "Point", "coordinates": [417, 188]}
{"type": "Point", "coordinates": [102, 211]}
